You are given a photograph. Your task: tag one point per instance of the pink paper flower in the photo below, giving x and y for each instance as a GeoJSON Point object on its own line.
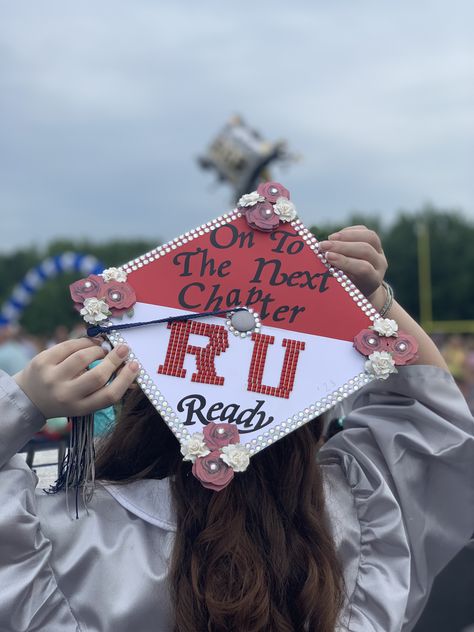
{"type": "Point", "coordinates": [404, 348]}
{"type": "Point", "coordinates": [271, 191]}
{"type": "Point", "coordinates": [86, 288]}
{"type": "Point", "coordinates": [212, 472]}
{"type": "Point", "coordinates": [262, 217]}
{"type": "Point", "coordinates": [118, 295]}
{"type": "Point", "coordinates": [367, 341]}
{"type": "Point", "coordinates": [216, 436]}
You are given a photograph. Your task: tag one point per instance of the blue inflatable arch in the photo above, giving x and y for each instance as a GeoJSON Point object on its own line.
{"type": "Point", "coordinates": [35, 278]}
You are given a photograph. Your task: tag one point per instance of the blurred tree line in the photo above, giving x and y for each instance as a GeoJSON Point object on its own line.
{"type": "Point", "coordinates": [452, 266]}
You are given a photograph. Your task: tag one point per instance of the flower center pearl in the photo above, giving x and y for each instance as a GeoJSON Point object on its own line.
{"type": "Point", "coordinates": [273, 190]}
{"type": "Point", "coordinates": [213, 467]}
{"type": "Point", "coordinates": [220, 431]}
{"type": "Point", "coordinates": [402, 346]}
{"type": "Point", "coordinates": [87, 284]}
{"type": "Point", "coordinates": [372, 341]}
{"type": "Point", "coordinates": [268, 212]}
{"type": "Point", "coordinates": [115, 296]}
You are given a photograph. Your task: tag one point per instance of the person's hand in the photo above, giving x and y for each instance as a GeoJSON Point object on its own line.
{"type": "Point", "coordinates": [58, 383]}
{"type": "Point", "coordinates": [357, 251]}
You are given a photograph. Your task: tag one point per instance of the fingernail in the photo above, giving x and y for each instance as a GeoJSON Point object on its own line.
{"type": "Point", "coordinates": [331, 256]}
{"type": "Point", "coordinates": [325, 245]}
{"type": "Point", "coordinates": [334, 236]}
{"type": "Point", "coordinates": [122, 351]}
{"type": "Point", "coordinates": [133, 366]}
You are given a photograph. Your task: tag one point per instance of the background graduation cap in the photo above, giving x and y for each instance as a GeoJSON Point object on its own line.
{"type": "Point", "coordinates": [243, 331]}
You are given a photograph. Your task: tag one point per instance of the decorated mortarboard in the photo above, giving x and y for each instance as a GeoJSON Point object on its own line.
{"type": "Point", "coordinates": [243, 331]}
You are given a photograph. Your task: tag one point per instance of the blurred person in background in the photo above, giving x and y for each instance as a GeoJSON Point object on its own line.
{"type": "Point", "coordinates": [454, 354]}
{"type": "Point", "coordinates": [14, 356]}
{"type": "Point", "coordinates": [78, 331]}
{"type": "Point", "coordinates": [61, 334]}
{"type": "Point", "coordinates": [30, 343]}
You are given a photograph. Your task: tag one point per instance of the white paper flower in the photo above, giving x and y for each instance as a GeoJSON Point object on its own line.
{"type": "Point", "coordinates": [285, 209]}
{"type": "Point", "coordinates": [235, 456]}
{"type": "Point", "coordinates": [95, 310]}
{"type": "Point", "coordinates": [249, 199]}
{"type": "Point", "coordinates": [380, 364]}
{"type": "Point", "coordinates": [385, 327]}
{"type": "Point", "coordinates": [194, 447]}
{"type": "Point", "coordinates": [114, 274]}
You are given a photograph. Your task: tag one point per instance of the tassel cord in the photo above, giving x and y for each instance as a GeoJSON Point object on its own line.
{"type": "Point", "coordinates": [98, 329]}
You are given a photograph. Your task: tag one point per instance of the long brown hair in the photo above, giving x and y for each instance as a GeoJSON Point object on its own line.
{"type": "Point", "coordinates": [255, 557]}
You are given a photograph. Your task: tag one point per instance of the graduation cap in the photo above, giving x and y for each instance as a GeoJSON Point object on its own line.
{"type": "Point", "coordinates": [243, 331]}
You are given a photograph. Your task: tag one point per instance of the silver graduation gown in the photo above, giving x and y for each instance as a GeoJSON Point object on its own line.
{"type": "Point", "coordinates": [399, 483]}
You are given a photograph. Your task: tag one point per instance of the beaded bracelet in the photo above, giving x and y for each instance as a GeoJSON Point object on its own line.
{"type": "Point", "coordinates": [389, 300]}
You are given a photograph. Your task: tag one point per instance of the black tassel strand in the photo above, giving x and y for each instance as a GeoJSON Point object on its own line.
{"type": "Point", "coordinates": [77, 470]}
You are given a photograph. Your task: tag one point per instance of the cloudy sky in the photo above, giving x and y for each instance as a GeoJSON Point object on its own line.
{"type": "Point", "coordinates": [105, 106]}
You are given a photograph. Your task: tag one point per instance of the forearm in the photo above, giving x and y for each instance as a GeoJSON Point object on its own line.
{"type": "Point", "coordinates": [427, 352]}
{"type": "Point", "coordinates": [19, 418]}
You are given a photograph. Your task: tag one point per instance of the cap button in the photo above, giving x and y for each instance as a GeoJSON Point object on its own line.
{"type": "Point", "coordinates": [243, 321]}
